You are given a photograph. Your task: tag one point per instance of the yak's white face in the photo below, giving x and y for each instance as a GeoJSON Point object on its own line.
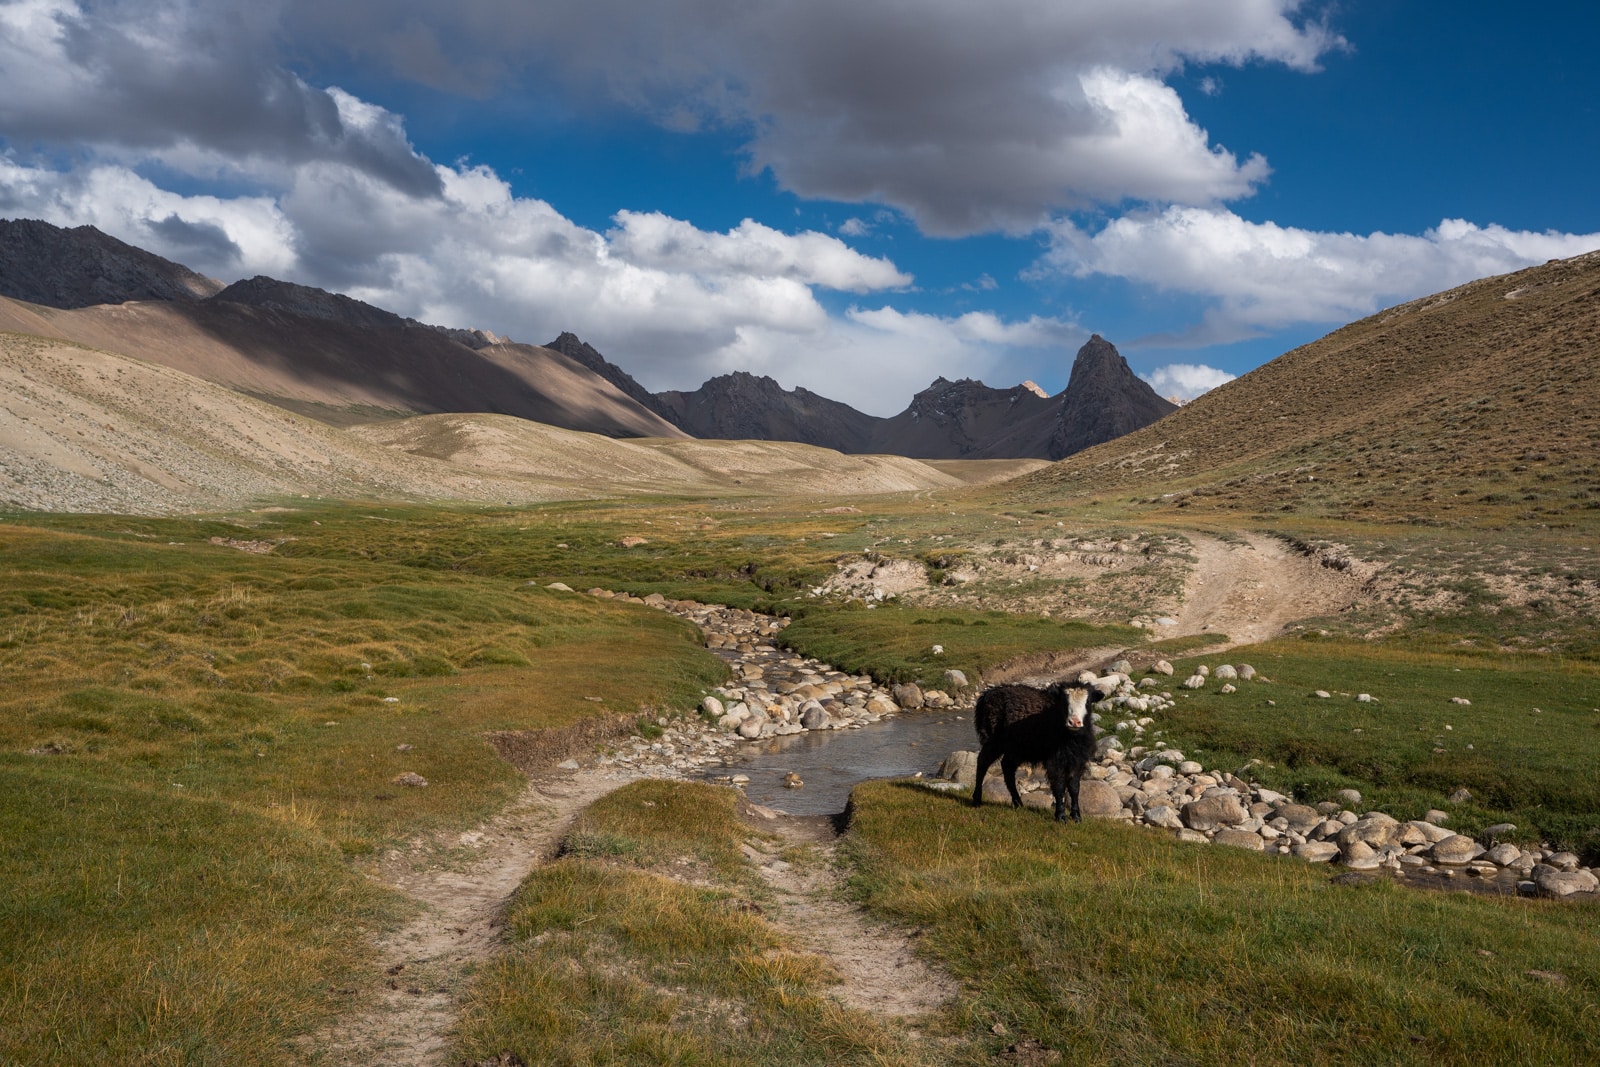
{"type": "Point", "coordinates": [1077, 707]}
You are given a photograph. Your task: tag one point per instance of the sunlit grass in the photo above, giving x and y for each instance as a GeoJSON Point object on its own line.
{"type": "Point", "coordinates": [1116, 943]}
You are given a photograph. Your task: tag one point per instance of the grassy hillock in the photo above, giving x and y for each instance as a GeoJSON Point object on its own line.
{"type": "Point", "coordinates": [1478, 406]}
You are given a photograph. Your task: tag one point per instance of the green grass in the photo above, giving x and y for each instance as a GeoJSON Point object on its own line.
{"type": "Point", "coordinates": [609, 962]}
{"type": "Point", "coordinates": [194, 742]}
{"type": "Point", "coordinates": [894, 643]}
{"type": "Point", "coordinates": [1538, 769]}
{"type": "Point", "coordinates": [1121, 945]}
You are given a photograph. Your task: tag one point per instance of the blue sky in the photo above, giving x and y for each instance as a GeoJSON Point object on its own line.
{"type": "Point", "coordinates": [850, 196]}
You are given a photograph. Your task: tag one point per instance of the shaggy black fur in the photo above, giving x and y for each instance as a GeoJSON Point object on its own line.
{"type": "Point", "coordinates": [1019, 724]}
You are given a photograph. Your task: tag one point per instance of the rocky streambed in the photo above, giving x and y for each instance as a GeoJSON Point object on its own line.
{"type": "Point", "coordinates": [1133, 778]}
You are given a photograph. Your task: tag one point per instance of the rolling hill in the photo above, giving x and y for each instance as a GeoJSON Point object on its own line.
{"type": "Point", "coordinates": [85, 430]}
{"type": "Point", "coordinates": [1480, 404]}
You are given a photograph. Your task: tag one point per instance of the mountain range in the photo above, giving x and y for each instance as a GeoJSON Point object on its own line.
{"type": "Point", "coordinates": [344, 362]}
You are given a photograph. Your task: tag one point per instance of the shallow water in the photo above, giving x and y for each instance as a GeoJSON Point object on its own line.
{"type": "Point", "coordinates": [833, 762]}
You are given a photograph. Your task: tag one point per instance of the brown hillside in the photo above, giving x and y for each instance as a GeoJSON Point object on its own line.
{"type": "Point", "coordinates": [342, 372]}
{"type": "Point", "coordinates": [517, 448]}
{"type": "Point", "coordinates": [1477, 404]}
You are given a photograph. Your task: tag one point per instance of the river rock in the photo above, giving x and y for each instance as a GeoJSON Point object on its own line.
{"type": "Point", "coordinates": [1437, 817]}
{"type": "Point", "coordinates": [908, 696]}
{"type": "Point", "coordinates": [1431, 832]}
{"type": "Point", "coordinates": [1563, 861]}
{"type": "Point", "coordinates": [1315, 851]}
{"type": "Point", "coordinates": [1377, 830]}
{"type": "Point", "coordinates": [813, 716]}
{"type": "Point", "coordinates": [1503, 854]}
{"type": "Point", "coordinates": [1557, 883]}
{"type": "Point", "coordinates": [750, 728]}
{"type": "Point", "coordinates": [1360, 856]}
{"type": "Point", "coordinates": [1499, 829]}
{"type": "Point", "coordinates": [960, 767]}
{"type": "Point", "coordinates": [712, 707]}
{"type": "Point", "coordinates": [1165, 816]}
{"type": "Point", "coordinates": [1457, 849]}
{"type": "Point", "coordinates": [1194, 837]}
{"type": "Point", "coordinates": [880, 704]}
{"type": "Point", "coordinates": [1214, 812]}
{"type": "Point", "coordinates": [1240, 839]}
{"type": "Point", "coordinates": [1301, 818]}
{"type": "Point", "coordinates": [956, 679]}
{"type": "Point", "coordinates": [1098, 800]}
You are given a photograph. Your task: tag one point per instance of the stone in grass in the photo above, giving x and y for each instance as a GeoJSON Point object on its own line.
{"type": "Point", "coordinates": [1240, 839]}
{"type": "Point", "coordinates": [1195, 681]}
{"type": "Point", "coordinates": [409, 778]}
{"type": "Point", "coordinates": [1316, 851]}
{"type": "Point", "coordinates": [1499, 829]}
{"type": "Point", "coordinates": [1161, 666]}
{"type": "Point", "coordinates": [1214, 812]}
{"type": "Point", "coordinates": [1098, 800]}
{"type": "Point", "coordinates": [1461, 796]}
{"type": "Point", "coordinates": [1348, 797]}
{"type": "Point", "coordinates": [1165, 816]}
{"type": "Point", "coordinates": [1460, 700]}
{"type": "Point", "coordinates": [1322, 694]}
{"type": "Point", "coordinates": [1225, 673]}
{"type": "Point", "coordinates": [1228, 688]}
{"type": "Point", "coordinates": [1246, 672]}
{"type": "Point", "coordinates": [1302, 819]}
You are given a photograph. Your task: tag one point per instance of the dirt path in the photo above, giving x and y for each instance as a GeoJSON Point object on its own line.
{"type": "Point", "coordinates": [413, 991]}
{"type": "Point", "coordinates": [1253, 588]}
{"type": "Point", "coordinates": [880, 970]}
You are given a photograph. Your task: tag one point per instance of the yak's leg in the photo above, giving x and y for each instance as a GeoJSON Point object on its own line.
{"type": "Point", "coordinates": [1009, 765]}
{"type": "Point", "coordinates": [1058, 788]}
{"type": "Point", "coordinates": [986, 757]}
{"type": "Point", "coordinates": [1074, 777]}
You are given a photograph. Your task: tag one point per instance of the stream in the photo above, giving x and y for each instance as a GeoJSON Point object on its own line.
{"type": "Point", "coordinates": [833, 762]}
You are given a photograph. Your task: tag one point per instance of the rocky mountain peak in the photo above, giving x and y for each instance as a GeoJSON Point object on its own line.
{"type": "Point", "coordinates": [269, 293]}
{"type": "Point", "coordinates": [82, 267]}
{"type": "Point", "coordinates": [1104, 400]}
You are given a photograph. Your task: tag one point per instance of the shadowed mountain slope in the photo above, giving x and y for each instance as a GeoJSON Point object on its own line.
{"type": "Point", "coordinates": [743, 406]}
{"type": "Point", "coordinates": [342, 361]}
{"type": "Point", "coordinates": [91, 431]}
{"type": "Point", "coordinates": [80, 267]}
{"type": "Point", "coordinates": [1480, 403]}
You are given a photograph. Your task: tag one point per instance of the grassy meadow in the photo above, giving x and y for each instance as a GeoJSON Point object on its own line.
{"type": "Point", "coordinates": [197, 747]}
{"type": "Point", "coordinates": [644, 944]}
{"type": "Point", "coordinates": [196, 753]}
{"type": "Point", "coordinates": [1112, 943]}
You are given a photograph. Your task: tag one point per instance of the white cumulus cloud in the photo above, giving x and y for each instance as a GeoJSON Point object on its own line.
{"type": "Point", "coordinates": [1264, 276]}
{"type": "Point", "coordinates": [1186, 380]}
